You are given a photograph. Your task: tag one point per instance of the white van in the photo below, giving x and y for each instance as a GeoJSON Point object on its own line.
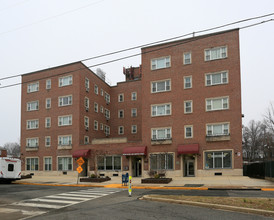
{"type": "Point", "coordinates": [10, 169]}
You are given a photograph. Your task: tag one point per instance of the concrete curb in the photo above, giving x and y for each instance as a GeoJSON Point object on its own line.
{"type": "Point", "coordinates": [207, 205]}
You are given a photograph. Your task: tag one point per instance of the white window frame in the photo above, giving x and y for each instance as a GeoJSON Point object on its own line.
{"type": "Point", "coordinates": [86, 103]}
{"type": "Point", "coordinates": [48, 84]}
{"type": "Point", "coordinates": [134, 112]}
{"type": "Point", "coordinates": [96, 89]}
{"type": "Point", "coordinates": [33, 87]}
{"type": "Point", "coordinates": [102, 109]}
{"type": "Point", "coordinates": [107, 114]}
{"type": "Point", "coordinates": [46, 142]}
{"type": "Point", "coordinates": [63, 118]}
{"type": "Point", "coordinates": [133, 96]}
{"type": "Point", "coordinates": [155, 63]}
{"type": "Point", "coordinates": [29, 143]}
{"type": "Point", "coordinates": [69, 165]}
{"type": "Point", "coordinates": [187, 61]}
{"type": "Point", "coordinates": [133, 129]}
{"type": "Point", "coordinates": [63, 81]}
{"type": "Point", "coordinates": [158, 157]}
{"type": "Point", "coordinates": [62, 98]}
{"type": "Point", "coordinates": [34, 160]}
{"type": "Point", "coordinates": [119, 113]}
{"type": "Point", "coordinates": [209, 78]}
{"type": "Point", "coordinates": [185, 107]}
{"type": "Point", "coordinates": [33, 106]}
{"type": "Point", "coordinates": [102, 92]}
{"type": "Point", "coordinates": [32, 124]}
{"type": "Point", "coordinates": [96, 125]}
{"type": "Point", "coordinates": [225, 129]}
{"type": "Point", "coordinates": [154, 86]}
{"type": "Point", "coordinates": [48, 103]}
{"type": "Point", "coordinates": [222, 53]}
{"type": "Point", "coordinates": [121, 130]}
{"type": "Point", "coordinates": [107, 97]}
{"type": "Point", "coordinates": [61, 140]}
{"type": "Point", "coordinates": [47, 122]}
{"type": "Point", "coordinates": [86, 139]}
{"type": "Point", "coordinates": [213, 156]}
{"type": "Point", "coordinates": [96, 107]}
{"type": "Point", "coordinates": [186, 84]}
{"type": "Point", "coordinates": [86, 122]}
{"type": "Point", "coordinates": [107, 130]}
{"type": "Point", "coordinates": [188, 127]}
{"type": "Point", "coordinates": [156, 108]}
{"type": "Point", "coordinates": [121, 97]}
{"type": "Point", "coordinates": [210, 103]}
{"type": "Point", "coordinates": [167, 133]}
{"type": "Point", "coordinates": [87, 84]}
{"type": "Point", "coordinates": [101, 126]}
{"type": "Point", "coordinates": [49, 165]}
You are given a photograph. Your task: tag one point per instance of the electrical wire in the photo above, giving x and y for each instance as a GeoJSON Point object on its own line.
{"type": "Point", "coordinates": [130, 56]}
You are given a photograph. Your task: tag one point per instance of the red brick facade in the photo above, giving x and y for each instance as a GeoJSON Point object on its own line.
{"type": "Point", "coordinates": [152, 101]}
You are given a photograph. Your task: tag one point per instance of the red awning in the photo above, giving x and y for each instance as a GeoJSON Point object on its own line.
{"type": "Point", "coordinates": [81, 153]}
{"type": "Point", "coordinates": [131, 151]}
{"type": "Point", "coordinates": [188, 149]}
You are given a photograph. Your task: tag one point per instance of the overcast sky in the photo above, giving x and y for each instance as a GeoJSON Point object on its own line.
{"type": "Point", "coordinates": [38, 34]}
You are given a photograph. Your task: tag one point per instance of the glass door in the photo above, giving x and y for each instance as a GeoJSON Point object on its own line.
{"type": "Point", "coordinates": [190, 168]}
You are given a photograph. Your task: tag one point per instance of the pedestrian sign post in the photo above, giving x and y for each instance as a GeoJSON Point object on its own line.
{"type": "Point", "coordinates": [79, 169]}
{"type": "Point", "coordinates": [129, 186]}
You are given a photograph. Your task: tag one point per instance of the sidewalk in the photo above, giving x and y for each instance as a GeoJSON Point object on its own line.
{"type": "Point", "coordinates": [200, 183]}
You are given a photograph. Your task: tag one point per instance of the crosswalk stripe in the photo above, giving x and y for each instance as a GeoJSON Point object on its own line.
{"type": "Point", "coordinates": [77, 195]}
{"type": "Point", "coordinates": [89, 193]}
{"type": "Point", "coordinates": [37, 205]}
{"type": "Point", "coordinates": [54, 201]}
{"type": "Point", "coordinates": [67, 197]}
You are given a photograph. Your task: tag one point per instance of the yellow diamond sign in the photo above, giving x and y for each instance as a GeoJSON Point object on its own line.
{"type": "Point", "coordinates": [79, 169]}
{"type": "Point", "coordinates": [80, 161]}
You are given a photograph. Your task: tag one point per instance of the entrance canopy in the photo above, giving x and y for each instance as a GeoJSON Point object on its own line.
{"type": "Point", "coordinates": [81, 153]}
{"type": "Point", "coordinates": [188, 149]}
{"type": "Point", "coordinates": [131, 151]}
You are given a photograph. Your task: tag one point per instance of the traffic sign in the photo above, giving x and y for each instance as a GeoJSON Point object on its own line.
{"type": "Point", "coordinates": [79, 169]}
{"type": "Point", "coordinates": [80, 161]}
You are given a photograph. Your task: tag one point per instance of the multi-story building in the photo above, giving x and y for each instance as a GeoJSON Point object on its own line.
{"type": "Point", "coordinates": [178, 113]}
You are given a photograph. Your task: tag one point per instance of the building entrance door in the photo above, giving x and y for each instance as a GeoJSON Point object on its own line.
{"type": "Point", "coordinates": [190, 167]}
{"type": "Point", "coordinates": [137, 167]}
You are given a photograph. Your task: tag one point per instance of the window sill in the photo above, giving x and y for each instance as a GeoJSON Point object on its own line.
{"type": "Point", "coordinates": [64, 147]}
{"type": "Point", "coordinates": [159, 142]}
{"type": "Point", "coordinates": [218, 138]}
{"type": "Point", "coordinates": [32, 148]}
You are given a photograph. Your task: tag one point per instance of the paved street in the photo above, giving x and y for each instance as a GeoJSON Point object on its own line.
{"type": "Point", "coordinates": [53, 202]}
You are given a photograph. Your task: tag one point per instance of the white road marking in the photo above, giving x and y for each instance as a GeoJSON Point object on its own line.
{"type": "Point", "coordinates": [38, 205]}
{"type": "Point", "coordinates": [67, 197]}
{"type": "Point", "coordinates": [55, 201]}
{"type": "Point", "coordinates": [79, 195]}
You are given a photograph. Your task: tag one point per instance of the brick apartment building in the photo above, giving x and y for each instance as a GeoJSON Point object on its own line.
{"type": "Point", "coordinates": [178, 113]}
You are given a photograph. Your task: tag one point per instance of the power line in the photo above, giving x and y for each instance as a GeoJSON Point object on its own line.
{"type": "Point", "coordinates": [130, 56]}
{"type": "Point", "coordinates": [157, 42]}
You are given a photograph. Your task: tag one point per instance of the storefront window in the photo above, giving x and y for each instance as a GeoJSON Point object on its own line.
{"type": "Point", "coordinates": [218, 160]}
{"type": "Point", "coordinates": [109, 162]}
{"type": "Point", "coordinates": [161, 161]}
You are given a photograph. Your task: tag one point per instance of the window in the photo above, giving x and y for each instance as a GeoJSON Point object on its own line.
{"type": "Point", "coordinates": [134, 96]}
{"type": "Point", "coordinates": [33, 106]}
{"type": "Point", "coordinates": [120, 113]}
{"type": "Point", "coordinates": [64, 163]}
{"type": "Point", "coordinates": [188, 131]}
{"type": "Point", "coordinates": [160, 86]}
{"type": "Point", "coordinates": [86, 122]}
{"type": "Point", "coordinates": [216, 53]}
{"type": "Point", "coordinates": [48, 84]}
{"type": "Point", "coordinates": [48, 162]}
{"type": "Point", "coordinates": [87, 84]}
{"type": "Point", "coordinates": [65, 120]}
{"type": "Point", "coordinates": [217, 104]}
{"type": "Point", "coordinates": [121, 130]}
{"type": "Point", "coordinates": [86, 103]}
{"type": "Point", "coordinates": [133, 129]}
{"type": "Point", "coordinates": [32, 124]}
{"type": "Point", "coordinates": [47, 141]}
{"type": "Point", "coordinates": [107, 98]}
{"type": "Point", "coordinates": [188, 107]}
{"type": "Point", "coordinates": [102, 92]}
{"type": "Point", "coordinates": [10, 167]}
{"type": "Point", "coordinates": [107, 130]}
{"type": "Point", "coordinates": [86, 140]}
{"type": "Point", "coordinates": [101, 126]}
{"type": "Point", "coordinates": [160, 133]}
{"type": "Point", "coordinates": [64, 140]}
{"type": "Point", "coordinates": [217, 129]}
{"type": "Point", "coordinates": [65, 81]}
{"type": "Point", "coordinates": [102, 109]}
{"type": "Point", "coordinates": [65, 100]}
{"type": "Point", "coordinates": [160, 63]}
{"type": "Point", "coordinates": [33, 87]}
{"type": "Point", "coordinates": [218, 160]}
{"type": "Point", "coordinates": [107, 114]}
{"type": "Point", "coordinates": [109, 162]}
{"type": "Point", "coordinates": [96, 125]}
{"type": "Point", "coordinates": [48, 122]}
{"type": "Point", "coordinates": [161, 161]}
{"type": "Point", "coordinates": [217, 78]}
{"type": "Point", "coordinates": [160, 110]}
{"type": "Point", "coordinates": [188, 82]}
{"type": "Point", "coordinates": [134, 112]}
{"type": "Point", "coordinates": [32, 142]}
{"type": "Point", "coordinates": [187, 58]}
{"type": "Point", "coordinates": [32, 164]}
{"type": "Point", "coordinates": [96, 89]}
{"type": "Point", "coordinates": [48, 103]}
{"type": "Point", "coordinates": [95, 107]}
{"type": "Point", "coordinates": [121, 97]}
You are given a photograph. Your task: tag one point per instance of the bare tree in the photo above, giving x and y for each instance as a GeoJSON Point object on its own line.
{"type": "Point", "coordinates": [13, 149]}
{"type": "Point", "coordinates": [269, 117]}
